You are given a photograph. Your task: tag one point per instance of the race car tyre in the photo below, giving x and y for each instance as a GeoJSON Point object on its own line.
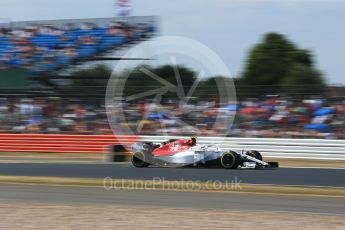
{"type": "Point", "coordinates": [139, 160]}
{"type": "Point", "coordinates": [254, 154]}
{"type": "Point", "coordinates": [230, 160]}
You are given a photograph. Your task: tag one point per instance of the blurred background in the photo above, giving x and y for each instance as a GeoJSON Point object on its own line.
{"type": "Point", "coordinates": [288, 75]}
{"type": "Point", "coordinates": [65, 151]}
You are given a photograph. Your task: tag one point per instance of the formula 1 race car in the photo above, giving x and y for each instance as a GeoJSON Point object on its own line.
{"type": "Point", "coordinates": [188, 153]}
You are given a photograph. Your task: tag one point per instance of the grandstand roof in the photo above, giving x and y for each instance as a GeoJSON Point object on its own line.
{"type": "Point", "coordinates": [98, 21]}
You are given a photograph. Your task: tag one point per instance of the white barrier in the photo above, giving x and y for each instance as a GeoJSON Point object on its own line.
{"type": "Point", "coordinates": [273, 147]}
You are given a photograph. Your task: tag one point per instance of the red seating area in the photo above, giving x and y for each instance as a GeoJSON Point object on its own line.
{"type": "Point", "coordinates": [60, 143]}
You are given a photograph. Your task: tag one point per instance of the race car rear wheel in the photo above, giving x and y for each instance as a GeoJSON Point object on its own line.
{"type": "Point", "coordinates": [254, 154]}
{"type": "Point", "coordinates": [139, 160]}
{"type": "Point", "coordinates": [230, 160]}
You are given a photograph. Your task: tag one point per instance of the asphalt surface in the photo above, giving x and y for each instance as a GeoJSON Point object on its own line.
{"type": "Point", "coordinates": [171, 199]}
{"type": "Point", "coordinates": [281, 176]}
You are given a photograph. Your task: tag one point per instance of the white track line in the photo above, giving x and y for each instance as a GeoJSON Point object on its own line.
{"type": "Point", "coordinates": [309, 167]}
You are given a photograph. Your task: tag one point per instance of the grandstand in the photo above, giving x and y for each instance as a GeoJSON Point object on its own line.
{"type": "Point", "coordinates": [43, 48]}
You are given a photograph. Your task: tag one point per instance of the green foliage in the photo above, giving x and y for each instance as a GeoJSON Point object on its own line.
{"type": "Point", "coordinates": [90, 82]}
{"type": "Point", "coordinates": [210, 87]}
{"type": "Point", "coordinates": [14, 78]}
{"type": "Point", "coordinates": [94, 81]}
{"type": "Point", "coordinates": [276, 65]}
{"type": "Point", "coordinates": [303, 80]}
{"type": "Point", "coordinates": [95, 76]}
{"type": "Point", "coordinates": [139, 80]}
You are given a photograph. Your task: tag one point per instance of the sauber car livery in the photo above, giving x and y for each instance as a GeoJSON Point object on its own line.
{"type": "Point", "coordinates": [188, 153]}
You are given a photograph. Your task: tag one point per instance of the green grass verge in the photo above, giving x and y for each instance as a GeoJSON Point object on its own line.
{"type": "Point", "coordinates": [299, 162]}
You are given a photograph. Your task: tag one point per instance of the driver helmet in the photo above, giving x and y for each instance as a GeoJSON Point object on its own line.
{"type": "Point", "coordinates": [193, 140]}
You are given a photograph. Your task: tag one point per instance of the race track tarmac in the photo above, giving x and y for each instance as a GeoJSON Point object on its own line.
{"type": "Point", "coordinates": [170, 199]}
{"type": "Point", "coordinates": [282, 176]}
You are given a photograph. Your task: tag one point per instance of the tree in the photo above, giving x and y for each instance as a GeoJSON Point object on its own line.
{"type": "Point", "coordinates": [213, 88]}
{"type": "Point", "coordinates": [91, 81]}
{"type": "Point", "coordinates": [93, 74]}
{"type": "Point", "coordinates": [302, 81]}
{"type": "Point", "coordinates": [276, 65]}
{"type": "Point", "coordinates": [139, 80]}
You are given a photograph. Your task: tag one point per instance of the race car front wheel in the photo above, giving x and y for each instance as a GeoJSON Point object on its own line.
{"type": "Point", "coordinates": [254, 154]}
{"type": "Point", "coordinates": [230, 160]}
{"type": "Point", "coordinates": [139, 160]}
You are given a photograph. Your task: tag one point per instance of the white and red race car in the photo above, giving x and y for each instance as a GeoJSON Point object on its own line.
{"type": "Point", "coordinates": [189, 153]}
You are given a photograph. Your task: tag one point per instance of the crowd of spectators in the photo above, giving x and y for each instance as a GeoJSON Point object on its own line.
{"type": "Point", "coordinates": [273, 117]}
{"type": "Point", "coordinates": [45, 48]}
{"type": "Point", "coordinates": [285, 117]}
{"type": "Point", "coordinates": [51, 115]}
{"type": "Point", "coordinates": [270, 117]}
